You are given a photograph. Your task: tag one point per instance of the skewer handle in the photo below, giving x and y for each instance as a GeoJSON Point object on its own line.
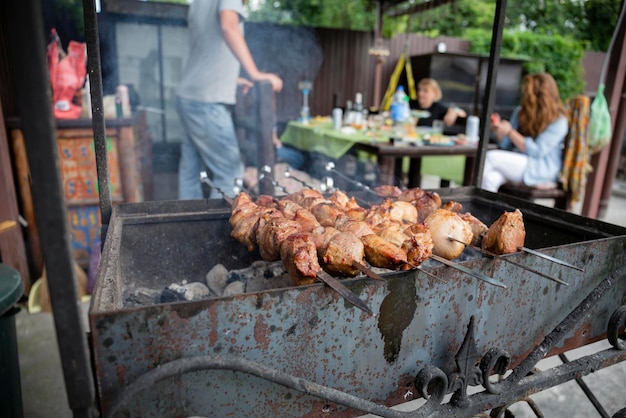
{"type": "Point", "coordinates": [267, 171]}
{"type": "Point", "coordinates": [547, 257]}
{"type": "Point", "coordinates": [346, 293]}
{"type": "Point", "coordinates": [490, 254]}
{"type": "Point", "coordinates": [204, 178]}
{"type": "Point", "coordinates": [468, 271]}
{"type": "Point", "coordinates": [368, 272]}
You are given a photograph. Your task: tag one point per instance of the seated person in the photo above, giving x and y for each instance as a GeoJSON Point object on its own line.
{"type": "Point", "coordinates": [295, 158]}
{"type": "Point", "coordinates": [428, 99]}
{"type": "Point", "coordinates": [531, 143]}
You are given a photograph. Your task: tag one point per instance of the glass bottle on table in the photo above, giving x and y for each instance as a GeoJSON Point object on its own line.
{"type": "Point", "coordinates": [357, 119]}
{"type": "Point", "coordinates": [347, 115]}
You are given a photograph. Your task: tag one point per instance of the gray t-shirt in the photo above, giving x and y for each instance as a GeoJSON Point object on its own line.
{"type": "Point", "coordinates": [211, 71]}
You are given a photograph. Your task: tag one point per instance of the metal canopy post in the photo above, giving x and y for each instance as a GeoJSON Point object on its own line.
{"type": "Point", "coordinates": [490, 89]}
{"type": "Point", "coordinates": [97, 110]}
{"type": "Point", "coordinates": [27, 49]}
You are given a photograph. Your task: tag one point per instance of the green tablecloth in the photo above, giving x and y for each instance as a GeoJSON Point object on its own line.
{"type": "Point", "coordinates": [321, 137]}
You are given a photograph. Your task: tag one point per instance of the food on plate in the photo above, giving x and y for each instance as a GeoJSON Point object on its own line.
{"type": "Point", "coordinates": [506, 235]}
{"type": "Point", "coordinates": [439, 140]}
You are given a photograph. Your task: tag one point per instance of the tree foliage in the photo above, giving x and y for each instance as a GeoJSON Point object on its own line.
{"type": "Point", "coordinates": [589, 21]}
{"type": "Point", "coordinates": [556, 54]}
{"type": "Point", "coordinates": [347, 14]}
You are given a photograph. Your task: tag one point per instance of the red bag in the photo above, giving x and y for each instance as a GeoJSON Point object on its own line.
{"type": "Point", "coordinates": [67, 76]}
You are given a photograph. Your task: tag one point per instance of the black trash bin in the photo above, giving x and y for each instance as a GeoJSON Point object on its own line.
{"type": "Point", "coordinates": [11, 290]}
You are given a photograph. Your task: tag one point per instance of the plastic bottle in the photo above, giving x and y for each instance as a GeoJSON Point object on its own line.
{"type": "Point", "coordinates": [399, 113]}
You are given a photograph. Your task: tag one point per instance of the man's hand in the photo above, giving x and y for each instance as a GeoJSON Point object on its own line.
{"type": "Point", "coordinates": [277, 83]}
{"type": "Point", "coordinates": [245, 84]}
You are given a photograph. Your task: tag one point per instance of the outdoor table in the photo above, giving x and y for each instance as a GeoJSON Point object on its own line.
{"type": "Point", "coordinates": [450, 162]}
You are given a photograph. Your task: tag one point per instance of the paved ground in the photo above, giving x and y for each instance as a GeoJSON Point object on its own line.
{"type": "Point", "coordinates": [44, 393]}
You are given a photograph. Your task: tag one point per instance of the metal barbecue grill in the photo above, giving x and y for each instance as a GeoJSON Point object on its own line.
{"type": "Point", "coordinates": [304, 351]}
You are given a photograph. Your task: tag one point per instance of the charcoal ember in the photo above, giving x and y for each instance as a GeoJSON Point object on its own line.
{"type": "Point", "coordinates": [143, 296]}
{"type": "Point", "coordinates": [170, 294]}
{"type": "Point", "coordinates": [217, 279]}
{"type": "Point", "coordinates": [196, 291]}
{"type": "Point", "coordinates": [264, 283]}
{"type": "Point", "coordinates": [234, 288]}
{"type": "Point", "coordinates": [261, 275]}
{"type": "Point", "coordinates": [188, 292]}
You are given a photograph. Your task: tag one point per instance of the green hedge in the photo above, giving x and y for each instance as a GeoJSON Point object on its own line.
{"type": "Point", "coordinates": [555, 54]}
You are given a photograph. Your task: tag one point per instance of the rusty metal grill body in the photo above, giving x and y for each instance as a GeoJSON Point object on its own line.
{"type": "Point", "coordinates": [311, 334]}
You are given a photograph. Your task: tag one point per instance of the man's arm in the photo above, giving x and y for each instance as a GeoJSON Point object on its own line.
{"type": "Point", "coordinates": [229, 21]}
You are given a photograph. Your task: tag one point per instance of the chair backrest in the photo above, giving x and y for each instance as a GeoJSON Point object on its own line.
{"type": "Point", "coordinates": [576, 155]}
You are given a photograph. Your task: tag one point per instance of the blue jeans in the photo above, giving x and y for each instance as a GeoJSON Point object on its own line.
{"type": "Point", "coordinates": [209, 142]}
{"type": "Point", "coordinates": [292, 156]}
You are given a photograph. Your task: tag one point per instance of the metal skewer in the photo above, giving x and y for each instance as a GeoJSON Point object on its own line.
{"type": "Point", "coordinates": [287, 174]}
{"type": "Point", "coordinates": [205, 179]}
{"type": "Point", "coordinates": [547, 257]}
{"type": "Point", "coordinates": [266, 171]}
{"type": "Point", "coordinates": [368, 272]}
{"type": "Point", "coordinates": [346, 293]}
{"type": "Point", "coordinates": [467, 271]}
{"type": "Point", "coordinates": [428, 273]}
{"type": "Point", "coordinates": [239, 187]}
{"type": "Point", "coordinates": [490, 254]}
{"type": "Point", "coordinates": [330, 167]}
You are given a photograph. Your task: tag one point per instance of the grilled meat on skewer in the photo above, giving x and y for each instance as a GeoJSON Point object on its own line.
{"type": "Point", "coordinates": [272, 231]}
{"type": "Point", "coordinates": [358, 228]}
{"type": "Point", "coordinates": [340, 254]}
{"type": "Point", "coordinates": [339, 251]}
{"type": "Point", "coordinates": [321, 240]}
{"type": "Point", "coordinates": [299, 256]}
{"type": "Point", "coordinates": [478, 228]}
{"type": "Point", "coordinates": [506, 234]}
{"type": "Point", "coordinates": [453, 206]}
{"type": "Point", "coordinates": [443, 224]}
{"type": "Point", "coordinates": [399, 211]}
{"type": "Point", "coordinates": [327, 214]}
{"type": "Point", "coordinates": [394, 233]}
{"type": "Point", "coordinates": [420, 244]}
{"type": "Point", "coordinates": [387, 190]}
{"type": "Point", "coordinates": [427, 204]}
{"type": "Point", "coordinates": [381, 253]}
{"type": "Point", "coordinates": [245, 218]}
{"type": "Point", "coordinates": [348, 206]}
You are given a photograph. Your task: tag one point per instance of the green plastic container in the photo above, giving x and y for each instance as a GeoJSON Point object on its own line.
{"type": "Point", "coordinates": [11, 290]}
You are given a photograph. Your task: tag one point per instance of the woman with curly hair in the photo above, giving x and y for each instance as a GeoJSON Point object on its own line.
{"type": "Point", "coordinates": [530, 145]}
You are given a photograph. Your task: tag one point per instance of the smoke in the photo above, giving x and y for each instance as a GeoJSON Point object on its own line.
{"type": "Point", "coordinates": [294, 53]}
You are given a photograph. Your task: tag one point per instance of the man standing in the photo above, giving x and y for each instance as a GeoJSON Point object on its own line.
{"type": "Point", "coordinates": [206, 94]}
